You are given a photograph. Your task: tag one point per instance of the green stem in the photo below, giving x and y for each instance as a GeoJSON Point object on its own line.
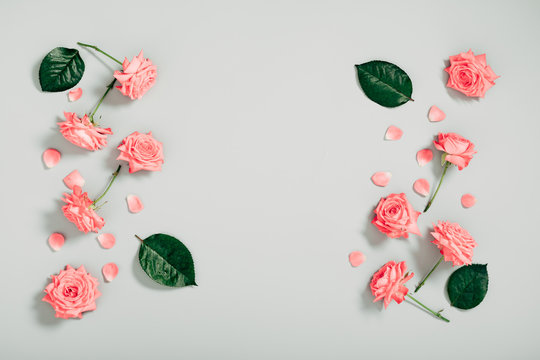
{"type": "Point", "coordinates": [101, 51]}
{"type": "Point", "coordinates": [446, 165]}
{"type": "Point", "coordinates": [114, 175]}
{"type": "Point", "coordinates": [437, 314]}
{"type": "Point", "coordinates": [429, 273]}
{"type": "Point", "coordinates": [109, 87]}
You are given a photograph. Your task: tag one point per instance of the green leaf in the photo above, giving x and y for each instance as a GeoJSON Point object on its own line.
{"type": "Point", "coordinates": [384, 83]}
{"type": "Point", "coordinates": [167, 261]}
{"type": "Point", "coordinates": [61, 69]}
{"type": "Point", "coordinates": [467, 286]}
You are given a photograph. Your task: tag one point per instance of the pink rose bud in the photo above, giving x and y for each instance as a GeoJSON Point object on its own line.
{"type": "Point", "coordinates": [459, 151]}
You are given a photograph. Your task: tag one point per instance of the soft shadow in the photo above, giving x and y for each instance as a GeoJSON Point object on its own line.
{"type": "Point", "coordinates": [367, 300]}
{"type": "Point", "coordinates": [144, 279]}
{"type": "Point", "coordinates": [55, 221]}
{"type": "Point", "coordinates": [374, 236]}
{"type": "Point", "coordinates": [44, 311]}
{"type": "Point", "coordinates": [35, 75]}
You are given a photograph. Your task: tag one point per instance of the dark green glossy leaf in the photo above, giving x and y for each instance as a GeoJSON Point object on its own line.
{"type": "Point", "coordinates": [467, 286]}
{"type": "Point", "coordinates": [61, 69]}
{"type": "Point", "coordinates": [384, 83]}
{"type": "Point", "coordinates": [167, 261]}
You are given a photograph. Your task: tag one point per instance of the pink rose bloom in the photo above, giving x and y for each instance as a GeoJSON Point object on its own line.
{"type": "Point", "coordinates": [459, 151]}
{"type": "Point", "coordinates": [138, 76]}
{"type": "Point", "coordinates": [79, 210]}
{"type": "Point", "coordinates": [387, 283]}
{"type": "Point", "coordinates": [72, 292]}
{"type": "Point", "coordinates": [142, 151]}
{"type": "Point", "coordinates": [455, 243]}
{"type": "Point", "coordinates": [470, 74]}
{"type": "Point", "coordinates": [83, 133]}
{"type": "Point", "coordinates": [395, 216]}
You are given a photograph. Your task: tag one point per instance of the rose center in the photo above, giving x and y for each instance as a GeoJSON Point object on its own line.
{"type": "Point", "coordinates": [71, 291]}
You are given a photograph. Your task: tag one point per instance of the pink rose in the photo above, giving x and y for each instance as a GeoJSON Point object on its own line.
{"type": "Point", "coordinates": [459, 151]}
{"type": "Point", "coordinates": [387, 283]}
{"type": "Point", "coordinates": [142, 151]}
{"type": "Point", "coordinates": [455, 243]}
{"type": "Point", "coordinates": [72, 292]}
{"type": "Point", "coordinates": [396, 217]}
{"type": "Point", "coordinates": [470, 74]}
{"type": "Point", "coordinates": [83, 133]}
{"type": "Point", "coordinates": [79, 210]}
{"type": "Point", "coordinates": [138, 76]}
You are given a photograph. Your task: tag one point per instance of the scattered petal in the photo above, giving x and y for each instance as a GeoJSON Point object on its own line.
{"type": "Point", "coordinates": [468, 200]}
{"type": "Point", "coordinates": [74, 178]}
{"type": "Point", "coordinates": [393, 133]}
{"type": "Point", "coordinates": [381, 178]}
{"type": "Point", "coordinates": [75, 94]}
{"type": "Point", "coordinates": [51, 157]}
{"type": "Point", "coordinates": [424, 156]}
{"type": "Point", "coordinates": [56, 241]}
{"type": "Point", "coordinates": [435, 114]}
{"type": "Point", "coordinates": [106, 240]}
{"type": "Point", "coordinates": [356, 258]}
{"type": "Point", "coordinates": [134, 203]}
{"type": "Point", "coordinates": [421, 186]}
{"type": "Point", "coordinates": [109, 271]}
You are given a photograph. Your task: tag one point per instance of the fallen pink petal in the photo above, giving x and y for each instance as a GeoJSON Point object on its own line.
{"type": "Point", "coordinates": [421, 186]}
{"type": "Point", "coordinates": [74, 178]}
{"type": "Point", "coordinates": [393, 133]}
{"type": "Point", "coordinates": [435, 114]}
{"type": "Point", "coordinates": [51, 157]}
{"type": "Point", "coordinates": [424, 156]}
{"type": "Point", "coordinates": [134, 203]}
{"type": "Point", "coordinates": [109, 271]}
{"type": "Point", "coordinates": [381, 178]}
{"type": "Point", "coordinates": [356, 258]}
{"type": "Point", "coordinates": [468, 200]}
{"type": "Point", "coordinates": [75, 94]}
{"type": "Point", "coordinates": [56, 241]}
{"type": "Point", "coordinates": [106, 240]}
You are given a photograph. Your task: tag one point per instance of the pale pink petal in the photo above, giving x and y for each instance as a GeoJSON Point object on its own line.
{"type": "Point", "coordinates": [435, 114]}
{"type": "Point", "coordinates": [51, 157]}
{"type": "Point", "coordinates": [424, 156]}
{"type": "Point", "coordinates": [356, 258]}
{"type": "Point", "coordinates": [109, 271]}
{"type": "Point", "coordinates": [75, 94]}
{"type": "Point", "coordinates": [421, 186]}
{"type": "Point", "coordinates": [393, 133]}
{"type": "Point", "coordinates": [134, 203]}
{"type": "Point", "coordinates": [106, 240]}
{"type": "Point", "coordinates": [56, 241]}
{"type": "Point", "coordinates": [74, 178]}
{"type": "Point", "coordinates": [381, 178]}
{"type": "Point", "coordinates": [468, 200]}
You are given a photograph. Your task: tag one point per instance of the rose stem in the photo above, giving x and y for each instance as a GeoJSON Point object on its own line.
{"type": "Point", "coordinates": [114, 175]}
{"type": "Point", "coordinates": [137, 236]}
{"type": "Point", "coordinates": [98, 49]}
{"type": "Point", "coordinates": [429, 273]}
{"type": "Point", "coordinates": [109, 87]}
{"type": "Point", "coordinates": [446, 165]}
{"type": "Point", "coordinates": [437, 314]}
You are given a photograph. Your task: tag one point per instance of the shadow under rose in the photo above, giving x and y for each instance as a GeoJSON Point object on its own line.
{"type": "Point", "coordinates": [44, 311]}
{"type": "Point", "coordinates": [367, 300]}
{"type": "Point", "coordinates": [370, 231]}
{"type": "Point", "coordinates": [55, 221]}
{"type": "Point", "coordinates": [144, 279]}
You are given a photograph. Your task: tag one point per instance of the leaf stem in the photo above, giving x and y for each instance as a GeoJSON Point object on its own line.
{"type": "Point", "coordinates": [101, 51]}
{"type": "Point", "coordinates": [429, 273]}
{"type": "Point", "coordinates": [137, 236]}
{"type": "Point", "coordinates": [109, 87]}
{"type": "Point", "coordinates": [114, 175]}
{"type": "Point", "coordinates": [436, 314]}
{"type": "Point", "coordinates": [446, 165]}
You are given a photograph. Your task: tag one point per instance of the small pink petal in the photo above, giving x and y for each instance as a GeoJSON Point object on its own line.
{"type": "Point", "coordinates": [56, 241]}
{"type": "Point", "coordinates": [74, 178]}
{"type": "Point", "coordinates": [356, 258]}
{"type": "Point", "coordinates": [381, 178]}
{"type": "Point", "coordinates": [424, 156]}
{"type": "Point", "coordinates": [421, 186]}
{"type": "Point", "coordinates": [393, 133]}
{"type": "Point", "coordinates": [468, 200]}
{"type": "Point", "coordinates": [109, 271]}
{"type": "Point", "coordinates": [106, 240]}
{"type": "Point", "coordinates": [75, 94]}
{"type": "Point", "coordinates": [134, 203]}
{"type": "Point", "coordinates": [435, 114]}
{"type": "Point", "coordinates": [51, 157]}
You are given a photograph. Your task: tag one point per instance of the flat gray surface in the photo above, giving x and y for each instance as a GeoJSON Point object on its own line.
{"type": "Point", "coordinates": [269, 148]}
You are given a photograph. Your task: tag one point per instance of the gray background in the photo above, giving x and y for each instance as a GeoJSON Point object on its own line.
{"type": "Point", "coordinates": [269, 148]}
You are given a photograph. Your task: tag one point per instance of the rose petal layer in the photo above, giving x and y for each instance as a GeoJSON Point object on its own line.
{"type": "Point", "coordinates": [468, 200]}
{"type": "Point", "coordinates": [421, 186]}
{"type": "Point", "coordinates": [134, 203]}
{"type": "Point", "coordinates": [75, 94]}
{"type": "Point", "coordinates": [356, 258]}
{"type": "Point", "coordinates": [424, 156]}
{"type": "Point", "coordinates": [56, 241]}
{"type": "Point", "coordinates": [393, 133]}
{"type": "Point", "coordinates": [435, 114]}
{"type": "Point", "coordinates": [381, 178]}
{"type": "Point", "coordinates": [109, 271]}
{"type": "Point", "coordinates": [106, 240]}
{"type": "Point", "coordinates": [74, 178]}
{"type": "Point", "coordinates": [51, 157]}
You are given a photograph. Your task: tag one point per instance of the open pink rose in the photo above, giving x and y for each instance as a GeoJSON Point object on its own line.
{"type": "Point", "coordinates": [79, 210]}
{"type": "Point", "coordinates": [459, 151]}
{"type": "Point", "coordinates": [142, 151]}
{"type": "Point", "coordinates": [470, 74]}
{"type": "Point", "coordinates": [395, 216]}
{"type": "Point", "coordinates": [387, 283]}
{"type": "Point", "coordinates": [138, 76]}
{"type": "Point", "coordinates": [72, 292]}
{"type": "Point", "coordinates": [83, 133]}
{"type": "Point", "coordinates": [455, 243]}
